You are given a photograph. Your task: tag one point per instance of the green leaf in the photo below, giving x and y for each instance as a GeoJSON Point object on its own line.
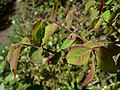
{"type": "Point", "coordinates": [10, 79]}
{"type": "Point", "coordinates": [91, 44]}
{"type": "Point", "coordinates": [70, 39]}
{"type": "Point", "coordinates": [106, 15]}
{"type": "Point", "coordinates": [99, 23]}
{"type": "Point", "coordinates": [49, 30]}
{"type": "Point", "coordinates": [78, 55]}
{"type": "Point", "coordinates": [25, 40]}
{"type": "Point", "coordinates": [108, 2]}
{"type": "Point", "coordinates": [91, 74]}
{"type": "Point", "coordinates": [38, 32]}
{"type": "Point", "coordinates": [2, 86]}
{"type": "Point", "coordinates": [54, 8]}
{"type": "Point", "coordinates": [37, 56]}
{"type": "Point", "coordinates": [2, 66]}
{"type": "Point", "coordinates": [94, 14]}
{"type": "Point", "coordinates": [69, 17]}
{"type": "Point", "coordinates": [89, 5]}
{"type": "Point", "coordinates": [14, 60]}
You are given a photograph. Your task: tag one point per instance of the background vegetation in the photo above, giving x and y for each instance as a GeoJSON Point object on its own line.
{"type": "Point", "coordinates": [44, 62]}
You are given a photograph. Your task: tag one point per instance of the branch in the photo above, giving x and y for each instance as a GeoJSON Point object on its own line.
{"type": "Point", "coordinates": [63, 26]}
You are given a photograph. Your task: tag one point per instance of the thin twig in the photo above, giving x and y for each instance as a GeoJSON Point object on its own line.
{"type": "Point", "coordinates": [63, 26]}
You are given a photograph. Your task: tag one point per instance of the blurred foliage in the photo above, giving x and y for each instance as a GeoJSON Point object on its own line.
{"type": "Point", "coordinates": [42, 64]}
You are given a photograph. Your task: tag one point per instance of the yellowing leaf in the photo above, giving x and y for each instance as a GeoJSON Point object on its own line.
{"type": "Point", "coordinates": [89, 5]}
{"type": "Point", "coordinates": [14, 60]}
{"type": "Point", "coordinates": [91, 74]}
{"type": "Point", "coordinates": [68, 42]}
{"type": "Point", "coordinates": [54, 8]}
{"type": "Point", "coordinates": [12, 48]}
{"type": "Point", "coordinates": [78, 55]}
{"type": "Point", "coordinates": [38, 32]}
{"type": "Point", "coordinates": [49, 30]}
{"type": "Point", "coordinates": [25, 40]}
{"type": "Point", "coordinates": [69, 17]}
{"type": "Point", "coordinates": [91, 44]}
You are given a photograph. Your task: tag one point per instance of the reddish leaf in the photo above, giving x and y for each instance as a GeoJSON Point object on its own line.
{"type": "Point", "coordinates": [14, 60]}
{"type": "Point", "coordinates": [78, 55]}
{"type": "Point", "coordinates": [91, 74]}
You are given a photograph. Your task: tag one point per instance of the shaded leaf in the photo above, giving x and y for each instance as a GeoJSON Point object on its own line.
{"type": "Point", "coordinates": [89, 5]}
{"type": "Point", "coordinates": [68, 41]}
{"type": "Point", "coordinates": [54, 8]}
{"type": "Point", "coordinates": [69, 17]}
{"type": "Point", "coordinates": [114, 49]}
{"type": "Point", "coordinates": [38, 32]}
{"type": "Point", "coordinates": [14, 60]}
{"type": "Point", "coordinates": [94, 14]}
{"type": "Point", "coordinates": [25, 40]}
{"type": "Point", "coordinates": [118, 63]}
{"type": "Point", "coordinates": [49, 30]}
{"type": "Point", "coordinates": [78, 55]}
{"type": "Point", "coordinates": [10, 79]}
{"type": "Point", "coordinates": [2, 66]}
{"type": "Point", "coordinates": [55, 58]}
{"type": "Point", "coordinates": [37, 56]}
{"type": "Point", "coordinates": [91, 74]}
{"type": "Point", "coordinates": [105, 60]}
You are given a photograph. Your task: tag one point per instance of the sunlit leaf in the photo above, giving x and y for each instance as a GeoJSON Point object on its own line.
{"type": "Point", "coordinates": [78, 55]}
{"type": "Point", "coordinates": [106, 15]}
{"type": "Point", "coordinates": [89, 5]}
{"type": "Point", "coordinates": [2, 66]}
{"type": "Point", "coordinates": [49, 30]}
{"type": "Point", "coordinates": [2, 86]}
{"type": "Point", "coordinates": [99, 23]}
{"type": "Point", "coordinates": [37, 56]}
{"type": "Point", "coordinates": [91, 74]}
{"type": "Point", "coordinates": [25, 40]}
{"type": "Point", "coordinates": [14, 60]}
{"type": "Point", "coordinates": [69, 40]}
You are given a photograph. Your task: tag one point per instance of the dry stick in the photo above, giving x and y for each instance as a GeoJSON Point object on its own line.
{"type": "Point", "coordinates": [62, 26]}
